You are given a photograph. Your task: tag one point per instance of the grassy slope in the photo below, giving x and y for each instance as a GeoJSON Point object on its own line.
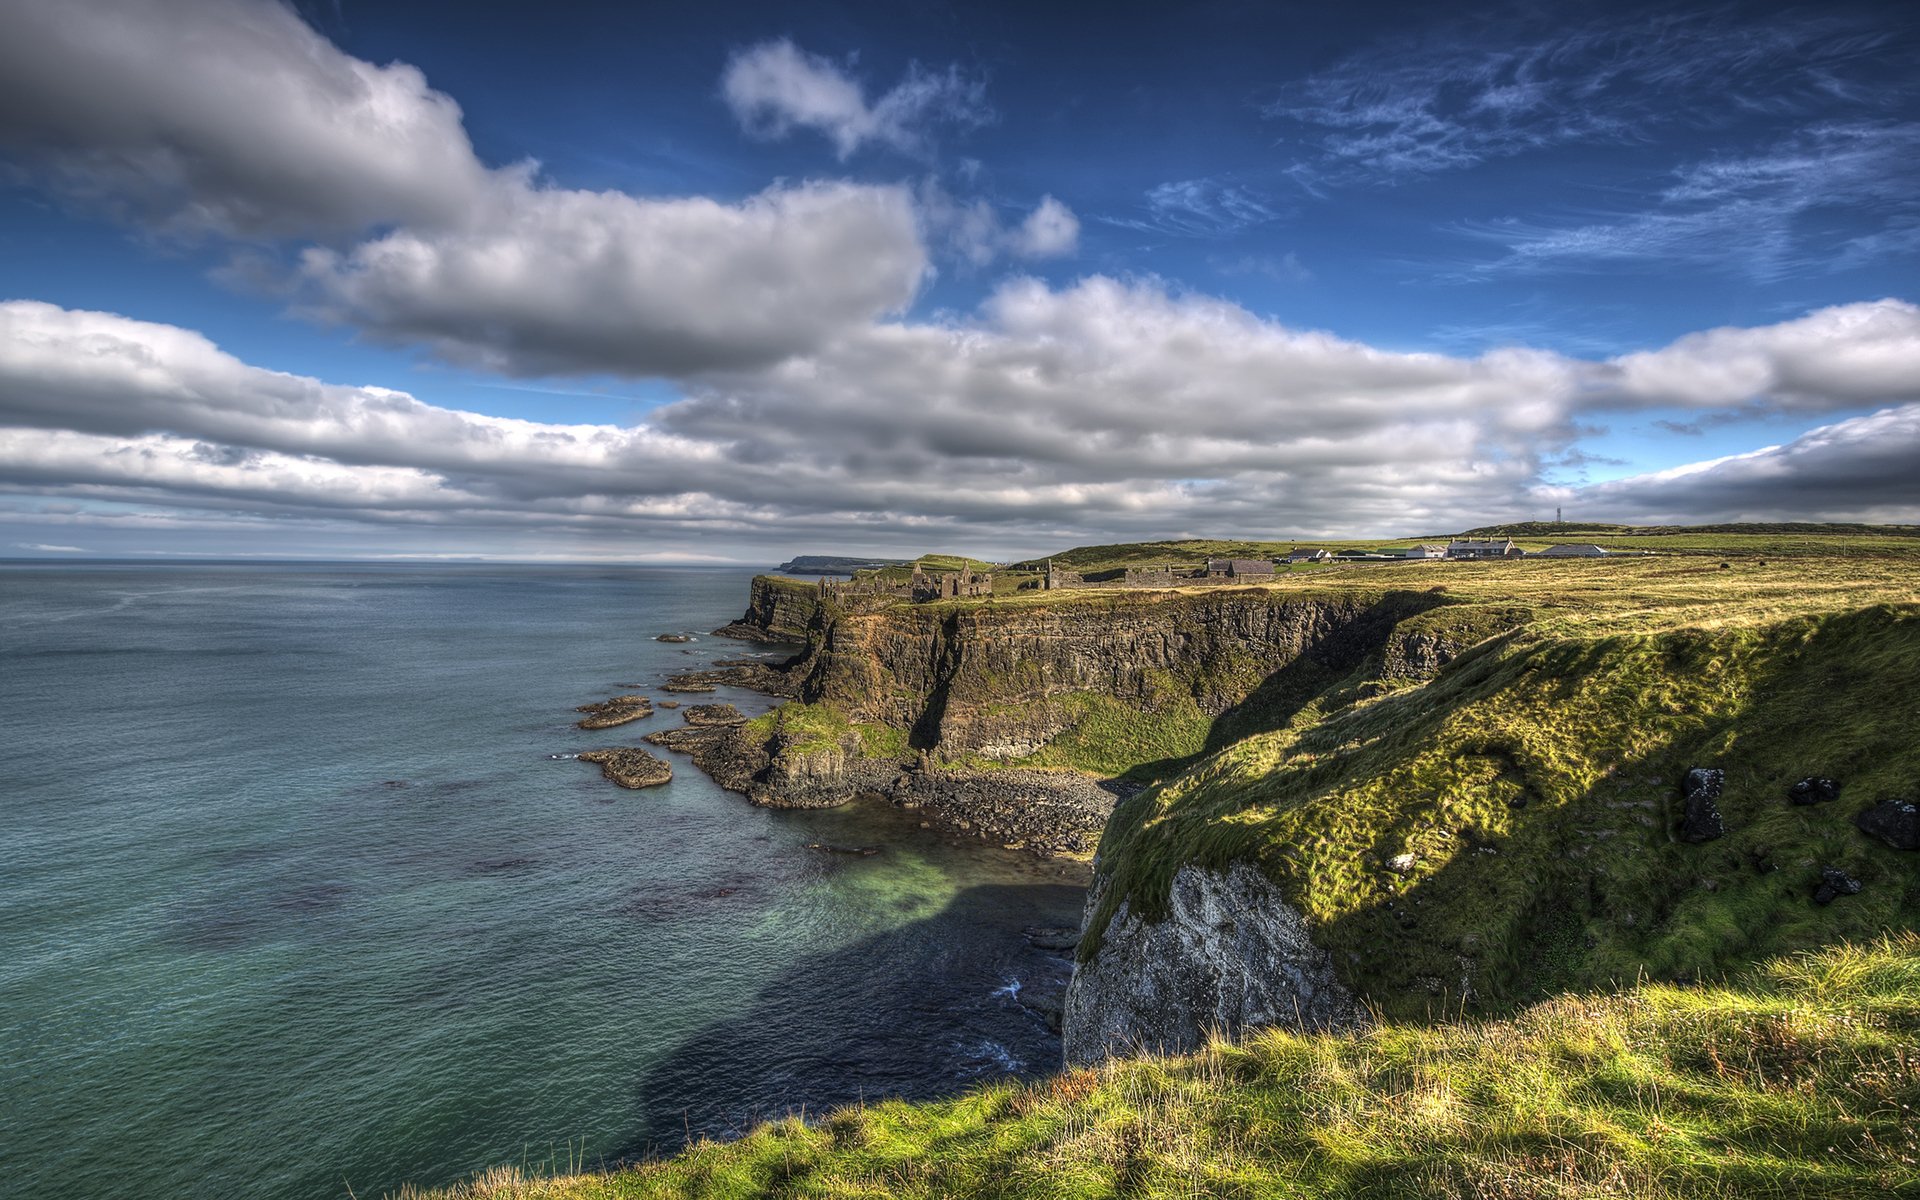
{"type": "Point", "coordinates": [1799, 1081]}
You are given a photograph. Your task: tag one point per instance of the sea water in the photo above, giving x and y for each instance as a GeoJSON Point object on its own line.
{"type": "Point", "coordinates": [296, 897]}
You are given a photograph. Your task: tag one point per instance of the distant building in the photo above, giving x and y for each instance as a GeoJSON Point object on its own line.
{"type": "Point", "coordinates": [1483, 548]}
{"type": "Point", "coordinates": [1426, 551]}
{"type": "Point", "coordinates": [1574, 550]}
{"type": "Point", "coordinates": [1239, 568]}
{"type": "Point", "coordinates": [1307, 554]}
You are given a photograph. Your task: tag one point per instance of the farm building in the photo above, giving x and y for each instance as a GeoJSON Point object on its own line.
{"type": "Point", "coordinates": [1306, 554]}
{"type": "Point", "coordinates": [1483, 548]}
{"type": "Point", "coordinates": [1426, 551]}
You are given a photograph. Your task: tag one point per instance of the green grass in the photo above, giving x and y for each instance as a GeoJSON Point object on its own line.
{"type": "Point", "coordinates": [812, 728]}
{"type": "Point", "coordinates": [1798, 1080]}
{"type": "Point", "coordinates": [1537, 782]}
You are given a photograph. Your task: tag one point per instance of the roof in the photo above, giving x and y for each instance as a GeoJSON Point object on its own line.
{"type": "Point", "coordinates": [1249, 566]}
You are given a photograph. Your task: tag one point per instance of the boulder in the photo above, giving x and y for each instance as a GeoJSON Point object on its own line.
{"type": "Point", "coordinates": [1814, 790]}
{"type": "Point", "coordinates": [672, 637]}
{"type": "Point", "coordinates": [1895, 822]}
{"type": "Point", "coordinates": [1835, 883]}
{"type": "Point", "coordinates": [1701, 821]}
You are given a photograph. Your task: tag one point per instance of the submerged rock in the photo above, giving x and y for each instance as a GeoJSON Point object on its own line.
{"type": "Point", "coordinates": [1895, 822]}
{"type": "Point", "coordinates": [1701, 820]}
{"type": "Point", "coordinates": [630, 766]}
{"type": "Point", "coordinates": [1814, 790]}
{"type": "Point", "coordinates": [617, 711]}
{"type": "Point", "coordinates": [1052, 937]}
{"type": "Point", "coordinates": [829, 848]}
{"type": "Point", "coordinates": [1835, 883]}
{"type": "Point", "coordinates": [673, 637]}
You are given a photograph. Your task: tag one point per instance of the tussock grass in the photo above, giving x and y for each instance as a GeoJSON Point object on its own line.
{"type": "Point", "coordinates": [1800, 1080]}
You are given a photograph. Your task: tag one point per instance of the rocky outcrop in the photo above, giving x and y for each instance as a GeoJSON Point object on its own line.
{"type": "Point", "coordinates": [1700, 819]}
{"type": "Point", "coordinates": [753, 676]}
{"type": "Point", "coordinates": [630, 767]}
{"type": "Point", "coordinates": [1046, 812]}
{"type": "Point", "coordinates": [1895, 822]}
{"type": "Point", "coordinates": [778, 610]}
{"type": "Point", "coordinates": [1231, 955]}
{"type": "Point", "coordinates": [617, 711]}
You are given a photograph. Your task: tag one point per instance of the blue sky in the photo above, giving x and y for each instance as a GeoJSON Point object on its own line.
{"type": "Point", "coordinates": [993, 277]}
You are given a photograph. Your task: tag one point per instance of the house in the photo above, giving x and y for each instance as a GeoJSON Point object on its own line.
{"type": "Point", "coordinates": [1483, 548]}
{"type": "Point", "coordinates": [1426, 551]}
{"type": "Point", "coordinates": [1307, 554]}
{"type": "Point", "coordinates": [1239, 568]}
{"type": "Point", "coordinates": [1573, 550]}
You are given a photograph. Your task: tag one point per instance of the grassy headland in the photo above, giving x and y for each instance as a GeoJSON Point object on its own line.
{"type": "Point", "coordinates": [1797, 1080]}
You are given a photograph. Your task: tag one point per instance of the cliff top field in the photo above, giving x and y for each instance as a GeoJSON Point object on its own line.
{"type": "Point", "coordinates": [1798, 1080]}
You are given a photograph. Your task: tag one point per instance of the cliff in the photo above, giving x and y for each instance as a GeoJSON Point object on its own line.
{"type": "Point", "coordinates": [1004, 719]}
{"type": "Point", "coordinates": [778, 610]}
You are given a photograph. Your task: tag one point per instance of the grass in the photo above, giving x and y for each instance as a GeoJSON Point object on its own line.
{"type": "Point", "coordinates": [1536, 781]}
{"type": "Point", "coordinates": [1796, 1080]}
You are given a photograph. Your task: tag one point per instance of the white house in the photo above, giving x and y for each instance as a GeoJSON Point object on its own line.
{"type": "Point", "coordinates": [1483, 548]}
{"type": "Point", "coordinates": [1574, 550]}
{"type": "Point", "coordinates": [1427, 551]}
{"type": "Point", "coordinates": [1306, 554]}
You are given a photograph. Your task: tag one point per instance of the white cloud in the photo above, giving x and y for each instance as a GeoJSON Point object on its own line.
{"type": "Point", "coordinates": [1105, 410]}
{"type": "Point", "coordinates": [234, 117]}
{"type": "Point", "coordinates": [1199, 208]}
{"type": "Point", "coordinates": [1409, 108]}
{"type": "Point", "coordinates": [973, 231]}
{"type": "Point", "coordinates": [226, 116]}
{"type": "Point", "coordinates": [548, 281]}
{"type": "Point", "coordinates": [775, 87]}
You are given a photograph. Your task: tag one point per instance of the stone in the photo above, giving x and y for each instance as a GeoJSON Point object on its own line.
{"type": "Point", "coordinates": [1835, 883]}
{"type": "Point", "coordinates": [1402, 864]}
{"type": "Point", "coordinates": [713, 714]}
{"type": "Point", "coordinates": [673, 637]}
{"type": "Point", "coordinates": [1895, 822]}
{"type": "Point", "coordinates": [1232, 955]}
{"type": "Point", "coordinates": [630, 766]}
{"type": "Point", "coordinates": [1051, 937]}
{"type": "Point", "coordinates": [617, 711]}
{"type": "Point", "coordinates": [1700, 821]}
{"type": "Point", "coordinates": [1814, 790]}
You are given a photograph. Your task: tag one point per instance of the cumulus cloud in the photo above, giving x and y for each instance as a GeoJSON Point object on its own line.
{"type": "Point", "coordinates": [227, 116]}
{"type": "Point", "coordinates": [548, 281]}
{"type": "Point", "coordinates": [974, 231]}
{"type": "Point", "coordinates": [1860, 469]}
{"type": "Point", "coordinates": [234, 117]}
{"type": "Point", "coordinates": [775, 87]}
{"type": "Point", "coordinates": [1105, 410]}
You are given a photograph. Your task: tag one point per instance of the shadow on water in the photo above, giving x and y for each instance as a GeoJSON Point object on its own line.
{"type": "Point", "coordinates": [931, 1023]}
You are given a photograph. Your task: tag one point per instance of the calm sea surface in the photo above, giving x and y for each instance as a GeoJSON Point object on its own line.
{"type": "Point", "coordinates": [294, 898]}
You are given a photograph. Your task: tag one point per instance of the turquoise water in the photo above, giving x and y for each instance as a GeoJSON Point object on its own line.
{"type": "Point", "coordinates": [293, 897]}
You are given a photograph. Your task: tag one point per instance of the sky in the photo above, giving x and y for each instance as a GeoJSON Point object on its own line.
{"type": "Point", "coordinates": [669, 282]}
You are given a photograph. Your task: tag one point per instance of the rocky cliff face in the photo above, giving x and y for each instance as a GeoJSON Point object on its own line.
{"type": "Point", "coordinates": [778, 610]}
{"type": "Point", "coordinates": [1231, 954]}
{"type": "Point", "coordinates": [1002, 681]}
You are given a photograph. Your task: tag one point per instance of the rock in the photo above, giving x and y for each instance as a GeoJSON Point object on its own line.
{"type": "Point", "coordinates": [688, 683]}
{"type": "Point", "coordinates": [669, 704]}
{"type": "Point", "coordinates": [1701, 820]}
{"type": "Point", "coordinates": [1814, 790]}
{"type": "Point", "coordinates": [754, 676]}
{"type": "Point", "coordinates": [1052, 937]}
{"type": "Point", "coordinates": [714, 714]}
{"type": "Point", "coordinates": [630, 766]}
{"type": "Point", "coordinates": [1895, 822]}
{"type": "Point", "coordinates": [673, 637]}
{"type": "Point", "coordinates": [617, 711]}
{"type": "Point", "coordinates": [861, 851]}
{"type": "Point", "coordinates": [1402, 864]}
{"type": "Point", "coordinates": [1046, 999]}
{"type": "Point", "coordinates": [1835, 883]}
{"type": "Point", "coordinates": [1231, 956]}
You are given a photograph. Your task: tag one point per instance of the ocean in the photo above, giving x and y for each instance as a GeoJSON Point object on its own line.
{"type": "Point", "coordinates": [295, 897]}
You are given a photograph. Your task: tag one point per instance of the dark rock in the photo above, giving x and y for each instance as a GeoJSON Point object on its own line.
{"type": "Point", "coordinates": [669, 704]}
{"type": "Point", "coordinates": [754, 676]}
{"type": "Point", "coordinates": [714, 714]}
{"type": "Point", "coordinates": [1814, 790]}
{"type": "Point", "coordinates": [1052, 937]}
{"type": "Point", "coordinates": [828, 848]}
{"type": "Point", "coordinates": [1046, 999]}
{"type": "Point", "coordinates": [1895, 822]}
{"type": "Point", "coordinates": [673, 637]}
{"type": "Point", "coordinates": [1835, 883]}
{"type": "Point", "coordinates": [617, 711]}
{"type": "Point", "coordinates": [630, 766]}
{"type": "Point", "coordinates": [1701, 820]}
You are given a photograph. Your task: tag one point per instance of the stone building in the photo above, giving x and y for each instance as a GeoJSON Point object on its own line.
{"type": "Point", "coordinates": [1483, 548]}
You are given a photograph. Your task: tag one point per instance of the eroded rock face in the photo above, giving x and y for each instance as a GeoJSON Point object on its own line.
{"type": "Point", "coordinates": [1231, 956]}
{"type": "Point", "coordinates": [1700, 821]}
